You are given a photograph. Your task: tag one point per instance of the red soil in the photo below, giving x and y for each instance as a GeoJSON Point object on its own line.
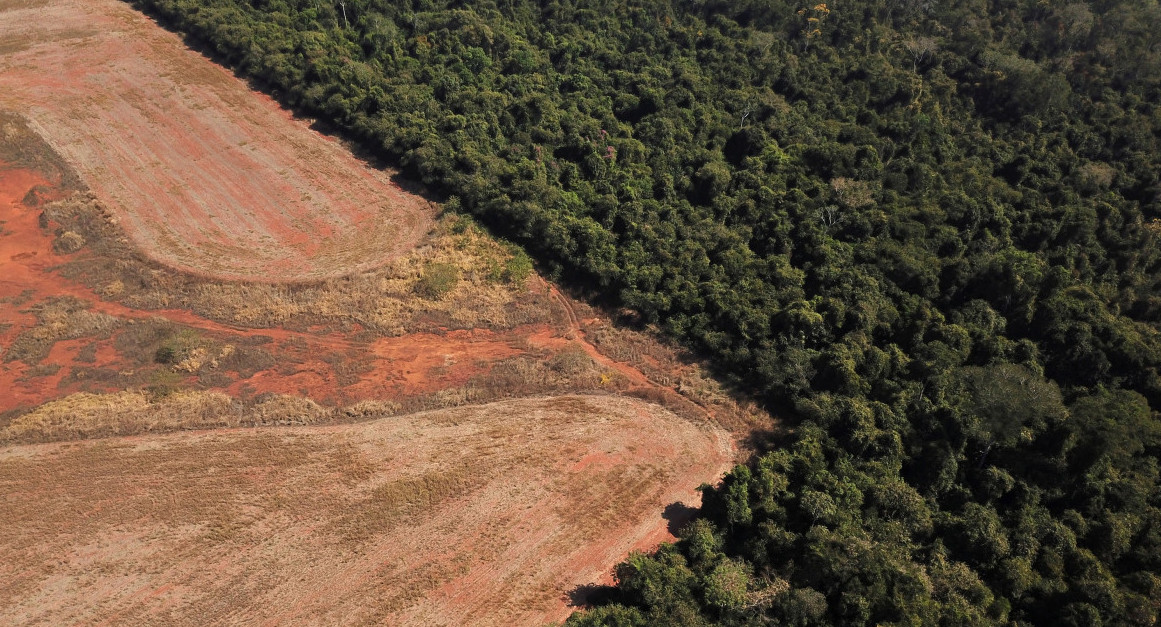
{"type": "Point", "coordinates": [390, 368]}
{"type": "Point", "coordinates": [26, 254]}
{"type": "Point", "coordinates": [205, 175]}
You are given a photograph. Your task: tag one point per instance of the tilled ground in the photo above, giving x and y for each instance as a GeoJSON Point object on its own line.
{"type": "Point", "coordinates": [486, 514]}
{"type": "Point", "coordinates": [171, 308]}
{"type": "Point", "coordinates": [489, 514]}
{"type": "Point", "coordinates": [205, 175]}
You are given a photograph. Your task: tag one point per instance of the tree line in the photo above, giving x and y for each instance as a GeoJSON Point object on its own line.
{"type": "Point", "coordinates": [926, 232]}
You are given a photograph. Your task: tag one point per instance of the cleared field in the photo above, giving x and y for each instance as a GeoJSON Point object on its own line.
{"type": "Point", "coordinates": [479, 515]}
{"type": "Point", "coordinates": [204, 174]}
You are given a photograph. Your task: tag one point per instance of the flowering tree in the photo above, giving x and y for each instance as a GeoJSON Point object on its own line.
{"type": "Point", "coordinates": [814, 17]}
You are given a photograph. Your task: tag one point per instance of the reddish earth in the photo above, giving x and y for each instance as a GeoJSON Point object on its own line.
{"type": "Point", "coordinates": [205, 175]}
{"type": "Point", "coordinates": [480, 515]}
{"type": "Point", "coordinates": [388, 367]}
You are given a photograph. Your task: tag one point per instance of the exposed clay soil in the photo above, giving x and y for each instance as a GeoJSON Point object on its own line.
{"type": "Point", "coordinates": [327, 367]}
{"type": "Point", "coordinates": [484, 515]}
{"type": "Point", "coordinates": [205, 175]}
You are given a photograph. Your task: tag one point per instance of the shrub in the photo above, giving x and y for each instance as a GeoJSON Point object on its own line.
{"type": "Point", "coordinates": [438, 280]}
{"type": "Point", "coordinates": [518, 267]}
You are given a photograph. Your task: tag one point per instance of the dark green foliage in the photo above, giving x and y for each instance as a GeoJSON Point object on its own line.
{"type": "Point", "coordinates": [177, 347]}
{"type": "Point", "coordinates": [927, 230]}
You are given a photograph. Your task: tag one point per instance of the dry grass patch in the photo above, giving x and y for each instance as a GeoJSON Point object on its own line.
{"type": "Point", "coordinates": [160, 343]}
{"type": "Point", "coordinates": [59, 319]}
{"type": "Point", "coordinates": [570, 370]}
{"type": "Point", "coordinates": [672, 367]}
{"type": "Point", "coordinates": [461, 277]}
{"type": "Point", "coordinates": [366, 409]}
{"type": "Point", "coordinates": [84, 415]}
{"type": "Point", "coordinates": [23, 148]}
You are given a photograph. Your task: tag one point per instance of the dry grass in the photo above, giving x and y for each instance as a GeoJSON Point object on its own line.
{"type": "Point", "coordinates": [671, 367]}
{"type": "Point", "coordinates": [363, 410]}
{"type": "Point", "coordinates": [23, 148]}
{"type": "Point", "coordinates": [395, 299]}
{"type": "Point", "coordinates": [84, 415]}
{"type": "Point", "coordinates": [59, 319]}
{"type": "Point", "coordinates": [570, 370]}
{"type": "Point", "coordinates": [480, 515]}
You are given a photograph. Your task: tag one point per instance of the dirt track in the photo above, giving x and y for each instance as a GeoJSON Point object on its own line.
{"type": "Point", "coordinates": [481, 515]}
{"type": "Point", "coordinates": [205, 175]}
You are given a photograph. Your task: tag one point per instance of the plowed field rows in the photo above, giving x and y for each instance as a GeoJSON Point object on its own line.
{"type": "Point", "coordinates": [480, 515]}
{"type": "Point", "coordinates": [205, 175]}
{"type": "Point", "coordinates": [502, 513]}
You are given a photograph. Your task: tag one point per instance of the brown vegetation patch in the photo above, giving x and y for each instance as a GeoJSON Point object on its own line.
{"type": "Point", "coordinates": [58, 319]}
{"type": "Point", "coordinates": [391, 300]}
{"type": "Point", "coordinates": [23, 149]}
{"type": "Point", "coordinates": [480, 515]}
{"type": "Point", "coordinates": [84, 415]}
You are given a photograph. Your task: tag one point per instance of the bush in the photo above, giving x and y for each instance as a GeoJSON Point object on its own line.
{"type": "Point", "coordinates": [438, 280]}
{"type": "Point", "coordinates": [68, 242]}
{"type": "Point", "coordinates": [518, 267]}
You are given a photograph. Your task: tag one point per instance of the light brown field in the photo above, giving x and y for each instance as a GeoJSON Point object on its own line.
{"type": "Point", "coordinates": [481, 515]}
{"type": "Point", "coordinates": [204, 174]}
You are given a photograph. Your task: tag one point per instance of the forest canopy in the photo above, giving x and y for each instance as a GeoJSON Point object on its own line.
{"type": "Point", "coordinates": [925, 231]}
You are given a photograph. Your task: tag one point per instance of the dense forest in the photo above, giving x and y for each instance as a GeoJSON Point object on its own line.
{"type": "Point", "coordinates": [925, 231]}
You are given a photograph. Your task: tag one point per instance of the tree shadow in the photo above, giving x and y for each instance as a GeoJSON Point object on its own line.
{"type": "Point", "coordinates": [591, 595]}
{"type": "Point", "coordinates": [678, 515]}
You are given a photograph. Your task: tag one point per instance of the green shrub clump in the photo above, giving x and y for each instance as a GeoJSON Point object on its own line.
{"type": "Point", "coordinates": [438, 280]}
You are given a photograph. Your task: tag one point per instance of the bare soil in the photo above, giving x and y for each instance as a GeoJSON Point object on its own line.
{"type": "Point", "coordinates": [481, 515]}
{"type": "Point", "coordinates": [205, 175]}
{"type": "Point", "coordinates": [63, 337]}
